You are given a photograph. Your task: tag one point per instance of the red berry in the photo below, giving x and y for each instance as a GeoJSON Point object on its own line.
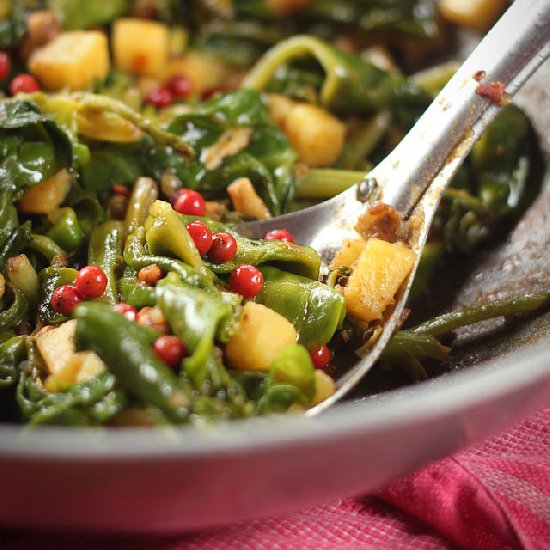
{"type": "Point", "coordinates": [279, 235]}
{"type": "Point", "coordinates": [25, 83]}
{"type": "Point", "coordinates": [181, 86]}
{"type": "Point", "coordinates": [246, 280]}
{"type": "Point", "coordinates": [224, 247]}
{"type": "Point", "coordinates": [170, 349]}
{"type": "Point", "coordinates": [5, 65]}
{"type": "Point", "coordinates": [159, 97]}
{"type": "Point", "coordinates": [190, 202]}
{"type": "Point", "coordinates": [201, 234]}
{"type": "Point", "coordinates": [65, 298]}
{"type": "Point", "coordinates": [127, 310]}
{"type": "Point", "coordinates": [320, 357]}
{"type": "Point", "coordinates": [91, 282]}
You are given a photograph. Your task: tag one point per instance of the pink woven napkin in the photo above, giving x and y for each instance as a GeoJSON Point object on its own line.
{"type": "Point", "coordinates": [493, 496]}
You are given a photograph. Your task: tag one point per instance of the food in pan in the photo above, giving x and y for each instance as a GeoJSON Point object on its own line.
{"type": "Point", "coordinates": [136, 136]}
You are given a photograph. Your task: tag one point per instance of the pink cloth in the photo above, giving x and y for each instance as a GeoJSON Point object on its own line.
{"type": "Point", "coordinates": [492, 496]}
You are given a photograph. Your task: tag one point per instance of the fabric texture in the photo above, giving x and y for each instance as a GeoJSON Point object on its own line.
{"type": "Point", "coordinates": [495, 495]}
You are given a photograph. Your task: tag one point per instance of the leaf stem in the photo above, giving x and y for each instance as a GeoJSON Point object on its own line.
{"type": "Point", "coordinates": [321, 183]}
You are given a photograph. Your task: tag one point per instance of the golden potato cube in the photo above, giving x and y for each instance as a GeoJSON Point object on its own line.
{"type": "Point", "coordinates": [65, 365]}
{"type": "Point", "coordinates": [80, 367]}
{"type": "Point", "coordinates": [348, 255]}
{"type": "Point", "coordinates": [279, 107]}
{"type": "Point", "coordinates": [316, 135]}
{"type": "Point", "coordinates": [73, 60]}
{"type": "Point", "coordinates": [478, 14]}
{"type": "Point", "coordinates": [47, 196]}
{"type": "Point", "coordinates": [324, 387]}
{"type": "Point", "coordinates": [204, 70]}
{"type": "Point", "coordinates": [56, 346]}
{"type": "Point", "coordinates": [140, 46]}
{"type": "Point", "coordinates": [66, 375]}
{"type": "Point", "coordinates": [259, 338]}
{"type": "Point", "coordinates": [90, 366]}
{"type": "Point", "coordinates": [380, 271]}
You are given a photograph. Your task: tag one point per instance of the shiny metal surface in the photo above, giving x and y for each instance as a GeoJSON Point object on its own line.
{"type": "Point", "coordinates": [414, 175]}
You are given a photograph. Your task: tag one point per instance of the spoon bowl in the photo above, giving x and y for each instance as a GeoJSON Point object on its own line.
{"type": "Point", "coordinates": [413, 177]}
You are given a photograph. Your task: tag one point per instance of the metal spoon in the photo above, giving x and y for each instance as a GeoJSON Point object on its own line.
{"type": "Point", "coordinates": [413, 177]}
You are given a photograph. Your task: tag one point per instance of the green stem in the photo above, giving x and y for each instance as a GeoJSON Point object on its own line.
{"type": "Point", "coordinates": [18, 309]}
{"type": "Point", "coordinates": [523, 303]}
{"type": "Point", "coordinates": [45, 246]}
{"type": "Point", "coordinates": [322, 183]}
{"type": "Point", "coordinates": [418, 345]}
{"type": "Point", "coordinates": [465, 198]}
{"type": "Point", "coordinates": [363, 138]}
{"type": "Point", "coordinates": [432, 80]}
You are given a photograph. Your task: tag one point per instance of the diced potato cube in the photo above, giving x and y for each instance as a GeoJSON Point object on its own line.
{"type": "Point", "coordinates": [91, 365]}
{"type": "Point", "coordinates": [324, 387]}
{"type": "Point", "coordinates": [478, 14]}
{"type": "Point", "coordinates": [47, 196]}
{"type": "Point", "coordinates": [205, 71]}
{"type": "Point", "coordinates": [246, 201]}
{"type": "Point", "coordinates": [279, 107]}
{"type": "Point", "coordinates": [259, 338]}
{"type": "Point", "coordinates": [140, 46]}
{"type": "Point", "coordinates": [65, 376]}
{"type": "Point", "coordinates": [348, 255]}
{"type": "Point", "coordinates": [380, 271]}
{"type": "Point", "coordinates": [73, 60]}
{"type": "Point", "coordinates": [56, 346]}
{"type": "Point", "coordinates": [316, 135]}
{"type": "Point", "coordinates": [65, 365]}
{"type": "Point", "coordinates": [79, 368]}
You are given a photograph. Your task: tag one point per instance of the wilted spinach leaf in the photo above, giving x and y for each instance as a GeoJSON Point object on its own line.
{"type": "Point", "coordinates": [32, 147]}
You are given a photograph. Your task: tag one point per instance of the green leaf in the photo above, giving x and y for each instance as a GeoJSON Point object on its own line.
{"type": "Point", "coordinates": [315, 309]}
{"type": "Point", "coordinates": [268, 159]}
{"type": "Point", "coordinates": [137, 256]}
{"type": "Point", "coordinates": [12, 352]}
{"type": "Point", "coordinates": [408, 17]}
{"type": "Point", "coordinates": [166, 235]}
{"type": "Point", "coordinates": [126, 348]}
{"type": "Point", "coordinates": [17, 310]}
{"type": "Point", "coordinates": [83, 14]}
{"type": "Point", "coordinates": [293, 366]}
{"type": "Point", "coordinates": [195, 315]}
{"type": "Point", "coordinates": [350, 84]}
{"type": "Point", "coordinates": [32, 146]}
{"type": "Point", "coordinates": [13, 28]}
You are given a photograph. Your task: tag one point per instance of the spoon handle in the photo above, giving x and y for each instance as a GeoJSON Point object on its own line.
{"type": "Point", "coordinates": [509, 54]}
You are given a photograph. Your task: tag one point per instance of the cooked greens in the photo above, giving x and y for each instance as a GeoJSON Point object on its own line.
{"type": "Point", "coordinates": [127, 294]}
